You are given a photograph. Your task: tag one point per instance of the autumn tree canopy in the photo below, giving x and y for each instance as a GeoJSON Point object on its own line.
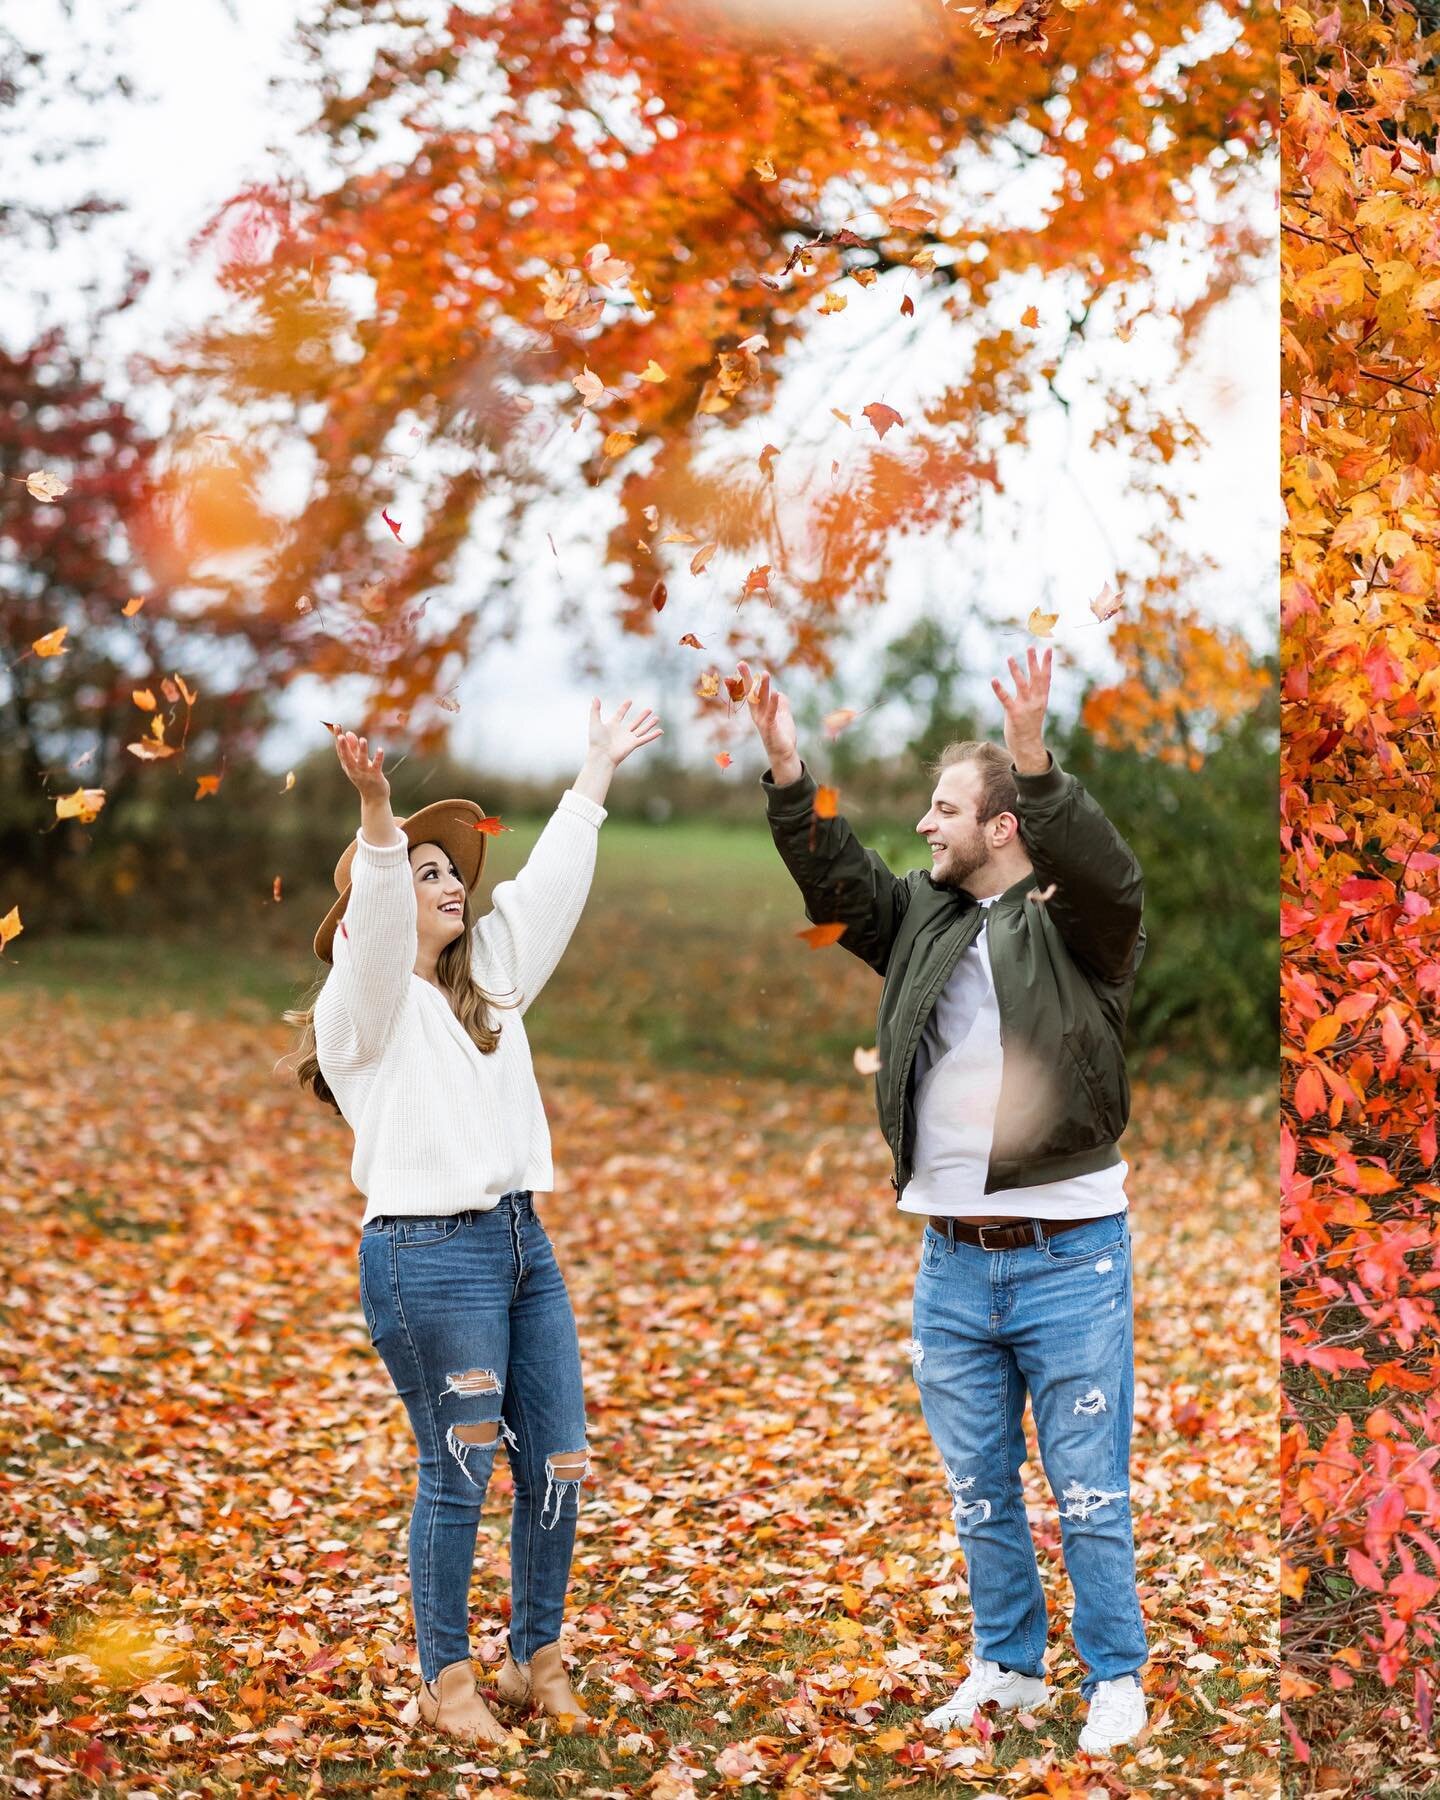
{"type": "Point", "coordinates": [537, 253]}
{"type": "Point", "coordinates": [1359, 595]}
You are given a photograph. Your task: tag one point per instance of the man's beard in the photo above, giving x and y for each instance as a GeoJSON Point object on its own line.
{"type": "Point", "coordinates": [960, 862]}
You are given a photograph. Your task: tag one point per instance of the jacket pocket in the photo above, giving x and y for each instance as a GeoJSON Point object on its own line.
{"type": "Point", "coordinates": [1094, 1086]}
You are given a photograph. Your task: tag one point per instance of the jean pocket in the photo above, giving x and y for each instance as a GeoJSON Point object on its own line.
{"type": "Point", "coordinates": [931, 1250]}
{"type": "Point", "coordinates": [1101, 1236]}
{"type": "Point", "coordinates": [413, 1232]}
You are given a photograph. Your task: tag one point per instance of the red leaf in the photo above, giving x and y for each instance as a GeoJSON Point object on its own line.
{"type": "Point", "coordinates": [882, 417]}
{"type": "Point", "coordinates": [394, 524]}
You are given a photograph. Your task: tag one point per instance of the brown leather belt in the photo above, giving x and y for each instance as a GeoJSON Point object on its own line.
{"type": "Point", "coordinates": [1015, 1234]}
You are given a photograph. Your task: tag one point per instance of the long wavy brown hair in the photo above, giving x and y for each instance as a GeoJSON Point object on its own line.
{"type": "Point", "coordinates": [469, 1002]}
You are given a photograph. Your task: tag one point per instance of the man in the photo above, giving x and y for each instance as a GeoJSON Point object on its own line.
{"type": "Point", "coordinates": [1008, 967]}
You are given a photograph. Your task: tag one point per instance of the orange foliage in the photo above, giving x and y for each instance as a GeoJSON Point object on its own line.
{"type": "Point", "coordinates": [1361, 696]}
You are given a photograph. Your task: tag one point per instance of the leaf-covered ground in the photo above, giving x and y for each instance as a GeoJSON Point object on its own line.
{"type": "Point", "coordinates": [207, 1478]}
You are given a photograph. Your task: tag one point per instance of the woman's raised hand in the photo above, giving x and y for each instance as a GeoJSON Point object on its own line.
{"type": "Point", "coordinates": [365, 771]}
{"type": "Point", "coordinates": [615, 739]}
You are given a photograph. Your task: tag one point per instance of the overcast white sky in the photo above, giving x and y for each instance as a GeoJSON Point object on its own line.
{"type": "Point", "coordinates": [212, 115]}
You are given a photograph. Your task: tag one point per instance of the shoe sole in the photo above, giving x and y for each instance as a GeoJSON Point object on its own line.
{"type": "Point", "coordinates": [1004, 1706]}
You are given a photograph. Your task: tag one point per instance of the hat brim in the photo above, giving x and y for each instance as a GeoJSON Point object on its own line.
{"type": "Point", "coordinates": [452, 824]}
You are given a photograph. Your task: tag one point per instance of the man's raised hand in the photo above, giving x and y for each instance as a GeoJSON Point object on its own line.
{"type": "Point", "coordinates": [773, 720]}
{"type": "Point", "coordinates": [1025, 712]}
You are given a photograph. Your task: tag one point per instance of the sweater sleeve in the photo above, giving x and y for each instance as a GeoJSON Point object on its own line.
{"type": "Point", "coordinates": [374, 955]}
{"type": "Point", "coordinates": [531, 919]}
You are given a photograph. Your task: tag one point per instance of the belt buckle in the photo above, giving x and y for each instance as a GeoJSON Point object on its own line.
{"type": "Point", "coordinates": [982, 1229]}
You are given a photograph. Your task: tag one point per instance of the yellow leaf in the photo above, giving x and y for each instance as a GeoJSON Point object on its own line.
{"type": "Point", "coordinates": [10, 926]}
{"type": "Point", "coordinates": [52, 644]}
{"type": "Point", "coordinates": [908, 213]}
{"type": "Point", "coordinates": [831, 302]}
{"type": "Point", "coordinates": [708, 686]}
{"type": "Point", "coordinates": [1041, 623]}
{"type": "Point", "coordinates": [588, 386]}
{"type": "Point", "coordinates": [46, 487]}
{"type": "Point", "coordinates": [1324, 1032]}
{"type": "Point", "coordinates": [289, 782]}
{"type": "Point", "coordinates": [889, 1741]}
{"type": "Point", "coordinates": [866, 277]}
{"type": "Point", "coordinates": [131, 607]}
{"type": "Point", "coordinates": [144, 699]}
{"type": "Point", "coordinates": [701, 558]}
{"type": "Point", "coordinates": [84, 804]}
{"type": "Point", "coordinates": [765, 169]}
{"type": "Point", "coordinates": [653, 372]}
{"type": "Point", "coordinates": [618, 442]}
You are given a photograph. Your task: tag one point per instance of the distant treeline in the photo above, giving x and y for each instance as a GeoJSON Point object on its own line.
{"type": "Point", "coordinates": [1208, 841]}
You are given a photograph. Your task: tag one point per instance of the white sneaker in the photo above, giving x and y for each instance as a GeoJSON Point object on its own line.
{"type": "Point", "coordinates": [1117, 1714]}
{"type": "Point", "coordinates": [987, 1681]}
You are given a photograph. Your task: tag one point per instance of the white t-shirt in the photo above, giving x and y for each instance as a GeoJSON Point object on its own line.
{"type": "Point", "coordinates": [957, 1093]}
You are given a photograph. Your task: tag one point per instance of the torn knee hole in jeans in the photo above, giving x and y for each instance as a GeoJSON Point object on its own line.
{"type": "Point", "coordinates": [1081, 1501]}
{"type": "Point", "coordinates": [471, 1381]}
{"type": "Point", "coordinates": [965, 1509]}
{"type": "Point", "coordinates": [462, 1440]}
{"type": "Point", "coordinates": [1091, 1402]}
{"type": "Point", "coordinates": [564, 1472]}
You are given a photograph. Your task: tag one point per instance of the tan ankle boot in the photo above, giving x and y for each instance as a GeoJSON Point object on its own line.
{"type": "Point", "coordinates": [452, 1704]}
{"type": "Point", "coordinates": [542, 1682]}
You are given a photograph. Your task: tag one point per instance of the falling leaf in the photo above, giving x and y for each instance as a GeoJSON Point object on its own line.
{"type": "Point", "coordinates": [843, 417]}
{"type": "Point", "coordinates": [909, 213]}
{"type": "Point", "coordinates": [334, 730]}
{"type": "Point", "coordinates": [691, 641]}
{"type": "Point", "coordinates": [708, 686]}
{"type": "Point", "coordinates": [589, 386]}
{"type": "Point", "coordinates": [865, 276]}
{"type": "Point", "coordinates": [701, 558]}
{"type": "Point", "coordinates": [735, 687]}
{"type": "Point", "coordinates": [882, 417]}
{"type": "Point", "coordinates": [53, 642]}
{"type": "Point", "coordinates": [659, 594]}
{"type": "Point", "coordinates": [923, 260]}
{"type": "Point", "coordinates": [724, 759]}
{"type": "Point", "coordinates": [1041, 623]}
{"type": "Point", "coordinates": [618, 442]}
{"type": "Point", "coordinates": [304, 604]}
{"type": "Point", "coordinates": [275, 890]}
{"type": "Point", "coordinates": [131, 607]}
{"type": "Point", "coordinates": [1030, 317]}
{"type": "Point", "coordinates": [678, 537]}
{"type": "Point", "coordinates": [767, 461]}
{"type": "Point", "coordinates": [1106, 603]}
{"type": "Point", "coordinates": [757, 581]}
{"type": "Point", "coordinates": [604, 269]}
{"type": "Point", "coordinates": [46, 487]}
{"type": "Point", "coordinates": [447, 703]}
{"type": "Point", "coordinates": [867, 1062]}
{"type": "Point", "coordinates": [765, 169]}
{"type": "Point", "coordinates": [907, 307]}
{"type": "Point", "coordinates": [10, 926]}
{"type": "Point", "coordinates": [653, 372]}
{"type": "Point", "coordinates": [836, 721]}
{"type": "Point", "coordinates": [144, 699]}
{"type": "Point", "coordinates": [827, 802]}
{"type": "Point", "coordinates": [84, 804]}
{"type": "Point", "coordinates": [818, 936]}
{"type": "Point", "coordinates": [289, 782]}
{"type": "Point", "coordinates": [394, 524]}
{"type": "Point", "coordinates": [490, 825]}
{"type": "Point", "coordinates": [756, 341]}
{"type": "Point", "coordinates": [832, 302]}
{"type": "Point", "coordinates": [148, 750]}
{"type": "Point", "coordinates": [207, 784]}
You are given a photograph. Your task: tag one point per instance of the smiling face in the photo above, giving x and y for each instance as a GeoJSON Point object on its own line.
{"type": "Point", "coordinates": [439, 897]}
{"type": "Point", "coordinates": [961, 847]}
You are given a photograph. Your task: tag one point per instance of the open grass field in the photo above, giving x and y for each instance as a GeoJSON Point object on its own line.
{"type": "Point", "coordinates": [208, 1477]}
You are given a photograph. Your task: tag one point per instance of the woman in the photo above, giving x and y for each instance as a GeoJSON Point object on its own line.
{"type": "Point", "coordinates": [458, 1281]}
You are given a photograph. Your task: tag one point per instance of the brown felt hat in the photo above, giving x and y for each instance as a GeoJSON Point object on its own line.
{"type": "Point", "coordinates": [449, 823]}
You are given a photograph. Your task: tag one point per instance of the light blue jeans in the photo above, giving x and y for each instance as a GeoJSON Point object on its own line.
{"type": "Point", "coordinates": [470, 1315]}
{"type": "Point", "coordinates": [1052, 1320]}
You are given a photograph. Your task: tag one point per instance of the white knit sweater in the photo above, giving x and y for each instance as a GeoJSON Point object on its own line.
{"type": "Point", "coordinates": [439, 1128]}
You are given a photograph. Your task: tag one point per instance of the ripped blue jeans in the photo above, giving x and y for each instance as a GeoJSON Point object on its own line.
{"type": "Point", "coordinates": [470, 1315]}
{"type": "Point", "coordinates": [1052, 1320]}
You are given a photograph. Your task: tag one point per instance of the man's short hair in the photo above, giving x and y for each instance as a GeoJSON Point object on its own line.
{"type": "Point", "coordinates": [998, 792]}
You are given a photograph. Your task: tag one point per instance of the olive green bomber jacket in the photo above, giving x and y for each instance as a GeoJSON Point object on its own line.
{"type": "Point", "coordinates": [1064, 970]}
